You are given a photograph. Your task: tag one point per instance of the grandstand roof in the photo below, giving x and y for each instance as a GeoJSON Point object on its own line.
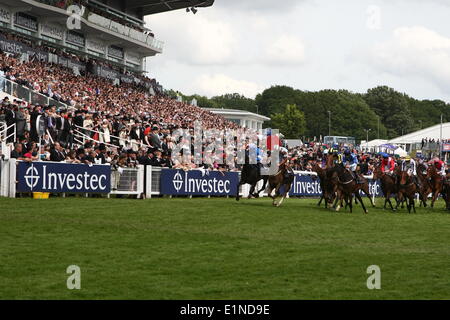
{"type": "Point", "coordinates": [158, 6]}
{"type": "Point", "coordinates": [234, 112]}
{"type": "Point", "coordinates": [429, 133]}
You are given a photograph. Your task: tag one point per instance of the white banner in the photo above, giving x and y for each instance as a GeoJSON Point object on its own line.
{"type": "Point", "coordinates": [5, 15]}
{"type": "Point", "coordinates": [96, 46]}
{"type": "Point", "coordinates": [52, 31]}
{"type": "Point", "coordinates": [133, 58]}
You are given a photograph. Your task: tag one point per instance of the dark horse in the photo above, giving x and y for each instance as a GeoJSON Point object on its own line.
{"type": "Point", "coordinates": [347, 186]}
{"type": "Point", "coordinates": [251, 174]}
{"type": "Point", "coordinates": [446, 191]}
{"type": "Point", "coordinates": [324, 184]}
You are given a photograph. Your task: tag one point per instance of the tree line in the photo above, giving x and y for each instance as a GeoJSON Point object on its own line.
{"type": "Point", "coordinates": [299, 114]}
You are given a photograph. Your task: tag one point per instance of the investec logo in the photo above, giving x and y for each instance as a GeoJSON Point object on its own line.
{"type": "Point", "coordinates": [200, 185]}
{"type": "Point", "coordinates": [59, 181]}
{"type": "Point", "coordinates": [305, 187]}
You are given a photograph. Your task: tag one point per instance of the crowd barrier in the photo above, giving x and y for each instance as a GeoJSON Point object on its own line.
{"type": "Point", "coordinates": [142, 182]}
{"type": "Point", "coordinates": [64, 178]}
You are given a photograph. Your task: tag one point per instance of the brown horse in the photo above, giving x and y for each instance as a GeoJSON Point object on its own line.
{"type": "Point", "coordinates": [407, 189]}
{"type": "Point", "coordinates": [388, 186]}
{"type": "Point", "coordinates": [324, 183]}
{"type": "Point", "coordinates": [436, 181]}
{"type": "Point", "coordinates": [425, 185]}
{"type": "Point", "coordinates": [284, 178]}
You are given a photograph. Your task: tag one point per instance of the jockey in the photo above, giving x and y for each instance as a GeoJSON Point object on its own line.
{"type": "Point", "coordinates": [409, 165]}
{"type": "Point", "coordinates": [440, 166]}
{"type": "Point", "coordinates": [258, 152]}
{"type": "Point", "coordinates": [387, 164]}
{"type": "Point", "coordinates": [350, 160]}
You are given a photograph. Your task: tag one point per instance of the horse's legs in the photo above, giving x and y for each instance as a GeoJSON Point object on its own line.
{"type": "Point", "coordinates": [252, 190]}
{"type": "Point", "coordinates": [339, 198]}
{"type": "Point", "coordinates": [367, 193]}
{"type": "Point", "coordinates": [435, 196]}
{"type": "Point", "coordinates": [413, 203]}
{"type": "Point", "coordinates": [399, 200]}
{"type": "Point", "coordinates": [263, 187]}
{"type": "Point", "coordinates": [351, 202]}
{"type": "Point", "coordinates": [362, 203]}
{"type": "Point", "coordinates": [287, 188]}
{"type": "Point", "coordinates": [320, 201]}
{"type": "Point", "coordinates": [238, 196]}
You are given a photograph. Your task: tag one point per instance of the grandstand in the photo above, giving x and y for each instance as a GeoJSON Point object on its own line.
{"type": "Point", "coordinates": [81, 62]}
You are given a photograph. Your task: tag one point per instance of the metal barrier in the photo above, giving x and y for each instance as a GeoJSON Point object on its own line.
{"type": "Point", "coordinates": [124, 181]}
{"type": "Point", "coordinates": [27, 94]}
{"type": "Point", "coordinates": [146, 181]}
{"type": "Point", "coordinates": [8, 178]}
{"type": "Point", "coordinates": [128, 181]}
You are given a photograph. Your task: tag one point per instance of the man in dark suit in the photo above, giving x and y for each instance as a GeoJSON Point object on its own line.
{"type": "Point", "coordinates": [10, 118]}
{"type": "Point", "coordinates": [36, 123]}
{"type": "Point", "coordinates": [61, 124]}
{"type": "Point", "coordinates": [154, 138]}
{"type": "Point", "coordinates": [57, 153]}
{"type": "Point", "coordinates": [67, 132]}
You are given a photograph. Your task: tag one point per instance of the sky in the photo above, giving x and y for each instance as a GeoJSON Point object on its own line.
{"type": "Point", "coordinates": [246, 46]}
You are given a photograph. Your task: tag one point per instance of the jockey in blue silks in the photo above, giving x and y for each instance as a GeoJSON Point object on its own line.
{"type": "Point", "coordinates": [352, 162]}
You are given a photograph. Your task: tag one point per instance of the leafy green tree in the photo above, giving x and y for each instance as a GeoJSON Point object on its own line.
{"type": "Point", "coordinates": [291, 122]}
{"type": "Point", "coordinates": [275, 99]}
{"type": "Point", "coordinates": [393, 109]}
{"type": "Point", "coordinates": [235, 101]}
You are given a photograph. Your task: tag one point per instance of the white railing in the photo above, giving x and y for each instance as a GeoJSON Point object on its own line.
{"type": "Point", "coordinates": [28, 95]}
{"type": "Point", "coordinates": [127, 181]}
{"type": "Point", "coordinates": [82, 136]}
{"type": "Point", "coordinates": [4, 134]}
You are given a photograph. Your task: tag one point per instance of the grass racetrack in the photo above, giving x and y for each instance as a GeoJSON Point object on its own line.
{"type": "Point", "coordinates": [219, 249]}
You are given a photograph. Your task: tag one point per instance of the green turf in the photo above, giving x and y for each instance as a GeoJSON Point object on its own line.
{"type": "Point", "coordinates": [219, 249]}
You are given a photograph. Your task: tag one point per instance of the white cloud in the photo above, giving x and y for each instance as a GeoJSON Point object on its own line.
{"type": "Point", "coordinates": [199, 39]}
{"type": "Point", "coordinates": [218, 84]}
{"type": "Point", "coordinates": [286, 50]}
{"type": "Point", "coordinates": [416, 51]}
{"type": "Point", "coordinates": [259, 5]}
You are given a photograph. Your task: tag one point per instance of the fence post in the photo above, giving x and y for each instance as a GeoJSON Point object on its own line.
{"type": "Point", "coordinates": [12, 177]}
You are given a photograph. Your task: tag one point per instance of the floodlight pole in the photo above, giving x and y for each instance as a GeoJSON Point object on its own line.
{"type": "Point", "coordinates": [367, 138]}
{"type": "Point", "coordinates": [440, 141]}
{"type": "Point", "coordinates": [329, 123]}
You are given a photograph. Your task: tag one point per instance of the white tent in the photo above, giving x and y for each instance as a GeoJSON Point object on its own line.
{"type": "Point", "coordinates": [401, 152]}
{"type": "Point", "coordinates": [433, 132]}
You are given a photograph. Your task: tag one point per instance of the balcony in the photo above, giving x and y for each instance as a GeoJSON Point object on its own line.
{"type": "Point", "coordinates": [92, 23]}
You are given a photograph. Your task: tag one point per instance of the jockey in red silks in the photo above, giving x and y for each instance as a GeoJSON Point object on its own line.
{"type": "Point", "coordinates": [440, 166]}
{"type": "Point", "coordinates": [387, 164]}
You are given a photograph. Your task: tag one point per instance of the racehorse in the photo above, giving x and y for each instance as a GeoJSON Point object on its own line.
{"type": "Point", "coordinates": [446, 191]}
{"type": "Point", "coordinates": [251, 174]}
{"type": "Point", "coordinates": [388, 186]}
{"type": "Point", "coordinates": [335, 185]}
{"type": "Point", "coordinates": [284, 178]}
{"type": "Point", "coordinates": [425, 186]}
{"type": "Point", "coordinates": [322, 175]}
{"type": "Point", "coordinates": [347, 186]}
{"type": "Point", "coordinates": [436, 181]}
{"type": "Point", "coordinates": [407, 188]}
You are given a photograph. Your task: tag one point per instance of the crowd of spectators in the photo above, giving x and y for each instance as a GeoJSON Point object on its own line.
{"type": "Point", "coordinates": [104, 123]}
